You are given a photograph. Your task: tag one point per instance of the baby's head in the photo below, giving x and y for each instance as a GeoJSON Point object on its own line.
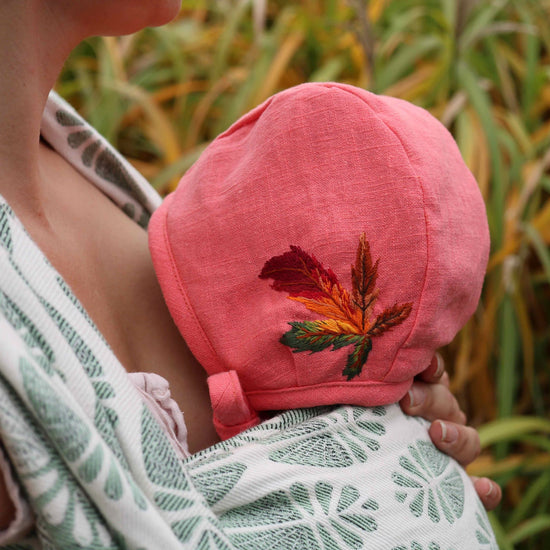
{"type": "Point", "coordinates": [321, 250]}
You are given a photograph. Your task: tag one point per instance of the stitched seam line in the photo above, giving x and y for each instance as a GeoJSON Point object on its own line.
{"type": "Point", "coordinates": [328, 385]}
{"type": "Point", "coordinates": [424, 284]}
{"type": "Point", "coordinates": [183, 293]}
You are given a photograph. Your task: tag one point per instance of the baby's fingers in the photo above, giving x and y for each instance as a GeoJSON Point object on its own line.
{"type": "Point", "coordinates": [488, 492]}
{"type": "Point", "coordinates": [460, 442]}
{"type": "Point", "coordinates": [435, 373]}
{"type": "Point", "coordinates": [432, 402]}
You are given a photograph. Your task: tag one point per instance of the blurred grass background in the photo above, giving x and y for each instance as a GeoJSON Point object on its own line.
{"type": "Point", "coordinates": [481, 66]}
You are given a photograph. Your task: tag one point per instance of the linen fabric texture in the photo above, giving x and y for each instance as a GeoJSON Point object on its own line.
{"type": "Point", "coordinates": [316, 167]}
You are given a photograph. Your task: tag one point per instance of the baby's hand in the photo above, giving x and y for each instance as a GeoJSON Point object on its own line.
{"type": "Point", "coordinates": [430, 398]}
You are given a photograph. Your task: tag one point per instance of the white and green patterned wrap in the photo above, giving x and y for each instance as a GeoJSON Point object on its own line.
{"type": "Point", "coordinates": [100, 473]}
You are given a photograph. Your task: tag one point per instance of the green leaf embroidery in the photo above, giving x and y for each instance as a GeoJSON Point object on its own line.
{"type": "Point", "coordinates": [349, 318]}
{"type": "Point", "coordinates": [358, 357]}
{"type": "Point", "coordinates": [103, 389]}
{"type": "Point", "coordinates": [313, 336]}
{"type": "Point", "coordinates": [209, 539]}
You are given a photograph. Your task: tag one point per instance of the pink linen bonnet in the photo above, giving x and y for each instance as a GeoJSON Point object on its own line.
{"type": "Point", "coordinates": [319, 252]}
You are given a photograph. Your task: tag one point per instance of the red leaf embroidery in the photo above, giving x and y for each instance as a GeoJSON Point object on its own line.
{"type": "Point", "coordinates": [299, 274]}
{"type": "Point", "coordinates": [306, 281]}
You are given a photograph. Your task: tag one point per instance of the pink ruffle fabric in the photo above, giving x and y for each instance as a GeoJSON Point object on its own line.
{"type": "Point", "coordinates": [155, 391]}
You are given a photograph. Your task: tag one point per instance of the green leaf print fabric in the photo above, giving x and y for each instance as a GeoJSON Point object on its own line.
{"type": "Point", "coordinates": [91, 459]}
{"type": "Point", "coordinates": [340, 478]}
{"type": "Point", "coordinates": [100, 473]}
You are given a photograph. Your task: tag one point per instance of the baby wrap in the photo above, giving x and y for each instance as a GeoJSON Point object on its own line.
{"type": "Point", "coordinates": [99, 472]}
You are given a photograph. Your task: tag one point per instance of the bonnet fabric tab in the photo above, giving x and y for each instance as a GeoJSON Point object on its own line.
{"type": "Point", "coordinates": [320, 251]}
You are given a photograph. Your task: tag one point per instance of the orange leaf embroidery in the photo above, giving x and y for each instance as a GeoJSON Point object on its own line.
{"type": "Point", "coordinates": [348, 317]}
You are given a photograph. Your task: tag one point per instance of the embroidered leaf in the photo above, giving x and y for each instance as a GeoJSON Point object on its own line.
{"type": "Point", "coordinates": [389, 318]}
{"type": "Point", "coordinates": [338, 307]}
{"type": "Point", "coordinates": [318, 335]}
{"type": "Point", "coordinates": [363, 279]}
{"type": "Point", "coordinates": [308, 282]}
{"type": "Point", "coordinates": [348, 317]}
{"type": "Point", "coordinates": [299, 274]}
{"type": "Point", "coordinates": [357, 358]}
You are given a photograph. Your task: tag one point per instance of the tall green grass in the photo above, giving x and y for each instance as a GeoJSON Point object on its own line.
{"type": "Point", "coordinates": [480, 66]}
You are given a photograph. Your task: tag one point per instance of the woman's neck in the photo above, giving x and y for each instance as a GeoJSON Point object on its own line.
{"type": "Point", "coordinates": [34, 48]}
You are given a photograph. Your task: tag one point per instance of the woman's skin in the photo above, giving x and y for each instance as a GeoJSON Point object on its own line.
{"type": "Point", "coordinates": [58, 207]}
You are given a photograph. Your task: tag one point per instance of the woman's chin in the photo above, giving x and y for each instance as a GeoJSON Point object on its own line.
{"type": "Point", "coordinates": [167, 12]}
{"type": "Point", "coordinates": [124, 16]}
